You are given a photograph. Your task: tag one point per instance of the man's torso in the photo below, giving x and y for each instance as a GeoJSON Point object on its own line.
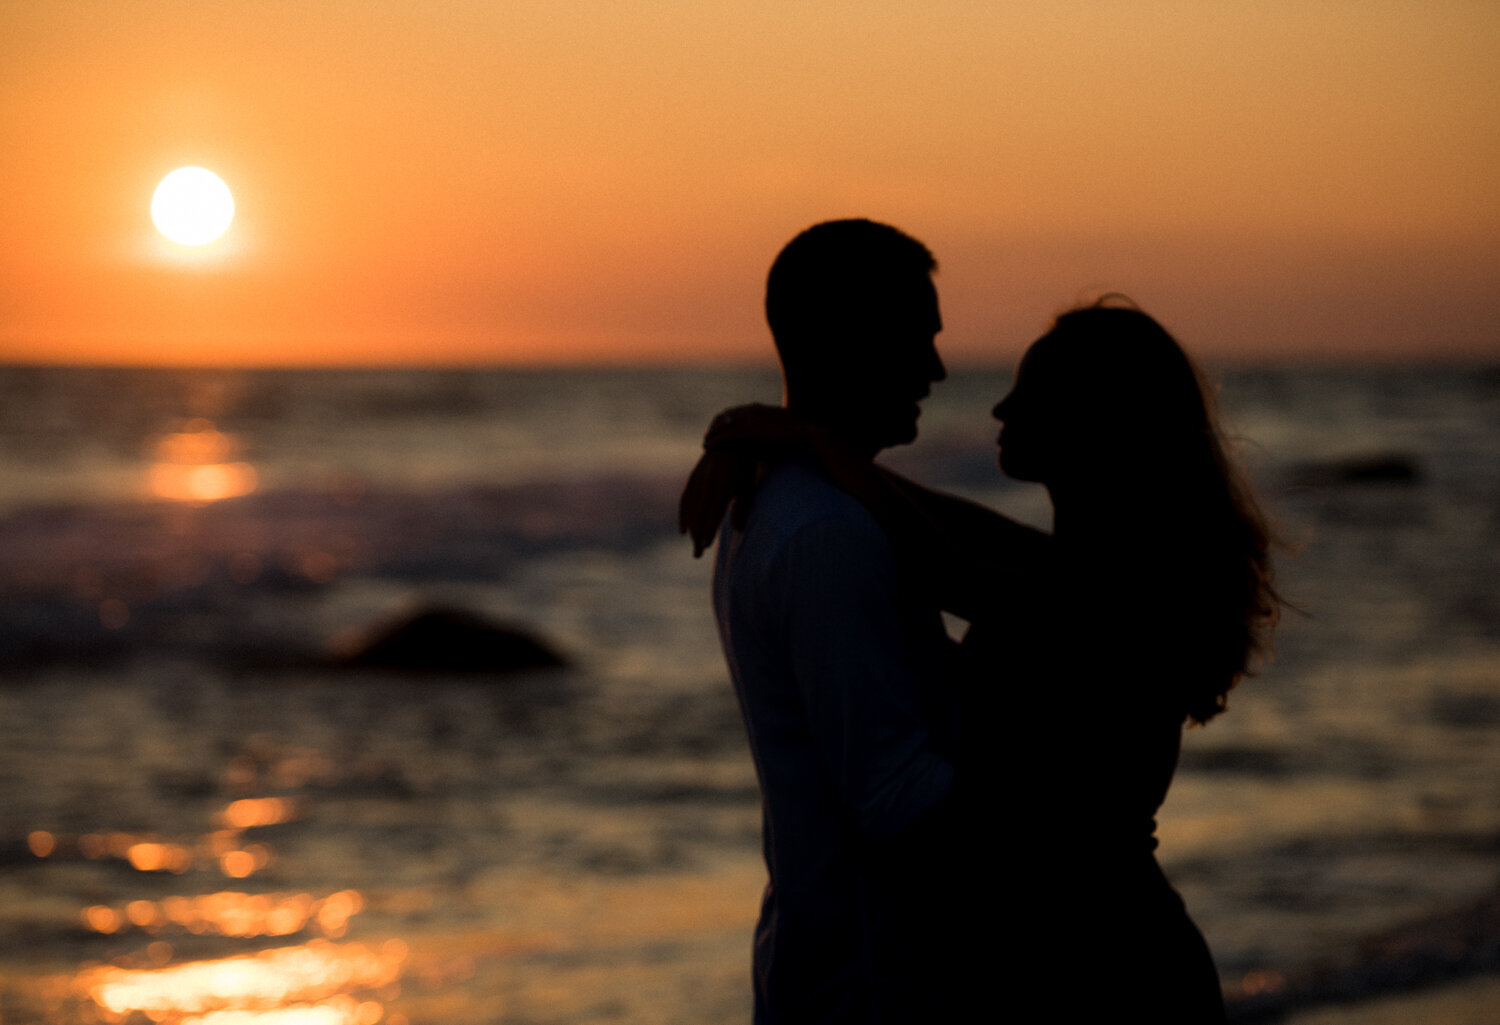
{"type": "Point", "coordinates": [835, 667]}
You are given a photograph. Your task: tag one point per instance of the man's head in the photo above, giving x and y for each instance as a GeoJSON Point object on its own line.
{"type": "Point", "coordinates": [854, 313]}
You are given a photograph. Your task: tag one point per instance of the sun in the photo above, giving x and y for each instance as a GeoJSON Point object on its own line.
{"type": "Point", "coordinates": [192, 206]}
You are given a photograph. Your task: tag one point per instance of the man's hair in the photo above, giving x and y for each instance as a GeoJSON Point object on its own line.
{"type": "Point", "coordinates": [835, 279]}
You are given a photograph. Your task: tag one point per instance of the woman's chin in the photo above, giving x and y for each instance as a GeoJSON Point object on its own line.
{"type": "Point", "coordinates": [1015, 469]}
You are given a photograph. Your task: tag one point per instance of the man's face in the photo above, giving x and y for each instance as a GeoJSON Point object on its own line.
{"type": "Point", "coordinates": [895, 366]}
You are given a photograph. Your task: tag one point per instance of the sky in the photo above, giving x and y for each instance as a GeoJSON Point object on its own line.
{"type": "Point", "coordinates": [544, 181]}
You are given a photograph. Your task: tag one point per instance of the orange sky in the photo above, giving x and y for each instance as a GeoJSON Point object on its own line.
{"type": "Point", "coordinates": [541, 180]}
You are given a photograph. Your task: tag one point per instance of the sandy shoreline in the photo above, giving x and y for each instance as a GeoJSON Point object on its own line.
{"type": "Point", "coordinates": [1472, 1001]}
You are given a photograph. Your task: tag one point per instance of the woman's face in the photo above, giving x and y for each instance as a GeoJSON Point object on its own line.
{"type": "Point", "coordinates": [1028, 417]}
{"type": "Point", "coordinates": [1050, 423]}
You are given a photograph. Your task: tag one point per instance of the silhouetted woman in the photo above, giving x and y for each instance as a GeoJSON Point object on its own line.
{"type": "Point", "coordinates": [1157, 600]}
{"type": "Point", "coordinates": [1086, 655]}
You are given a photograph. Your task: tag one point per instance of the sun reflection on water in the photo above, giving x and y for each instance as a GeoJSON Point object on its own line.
{"type": "Point", "coordinates": [319, 981]}
{"type": "Point", "coordinates": [249, 812]}
{"type": "Point", "coordinates": [197, 464]}
{"type": "Point", "coordinates": [173, 979]}
{"type": "Point", "coordinates": [224, 847]}
{"type": "Point", "coordinates": [231, 913]}
{"type": "Point", "coordinates": [316, 981]}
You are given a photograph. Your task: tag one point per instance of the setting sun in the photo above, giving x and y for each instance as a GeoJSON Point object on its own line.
{"type": "Point", "coordinates": [192, 206]}
{"type": "Point", "coordinates": [474, 184]}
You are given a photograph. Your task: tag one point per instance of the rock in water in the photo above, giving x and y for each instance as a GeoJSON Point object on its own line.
{"type": "Point", "coordinates": [443, 640]}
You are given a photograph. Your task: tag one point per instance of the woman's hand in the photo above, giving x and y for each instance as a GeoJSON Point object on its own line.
{"type": "Point", "coordinates": [772, 430]}
{"type": "Point", "coordinates": [738, 440]}
{"type": "Point", "coordinates": [758, 426]}
{"type": "Point", "coordinates": [727, 472]}
{"type": "Point", "coordinates": [721, 476]}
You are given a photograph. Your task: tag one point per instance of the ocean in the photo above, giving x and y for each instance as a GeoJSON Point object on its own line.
{"type": "Point", "coordinates": [212, 810]}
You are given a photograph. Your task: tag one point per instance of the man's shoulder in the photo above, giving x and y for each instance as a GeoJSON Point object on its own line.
{"type": "Point", "coordinates": [800, 522]}
{"type": "Point", "coordinates": [795, 496]}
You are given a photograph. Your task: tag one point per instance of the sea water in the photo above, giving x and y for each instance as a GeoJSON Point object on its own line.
{"type": "Point", "coordinates": [202, 815]}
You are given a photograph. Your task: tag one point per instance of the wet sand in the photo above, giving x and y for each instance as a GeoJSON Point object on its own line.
{"type": "Point", "coordinates": [1467, 1002]}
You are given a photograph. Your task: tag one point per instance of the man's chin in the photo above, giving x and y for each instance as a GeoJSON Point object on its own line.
{"type": "Point", "coordinates": [903, 434]}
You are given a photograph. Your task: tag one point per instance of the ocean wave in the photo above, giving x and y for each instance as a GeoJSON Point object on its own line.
{"type": "Point", "coordinates": [92, 583]}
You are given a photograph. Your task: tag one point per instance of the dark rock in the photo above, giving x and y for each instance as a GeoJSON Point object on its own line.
{"type": "Point", "coordinates": [444, 640]}
{"type": "Point", "coordinates": [42, 630]}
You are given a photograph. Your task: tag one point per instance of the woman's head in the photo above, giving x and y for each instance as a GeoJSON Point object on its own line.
{"type": "Point", "coordinates": [1109, 412]}
{"type": "Point", "coordinates": [1106, 392]}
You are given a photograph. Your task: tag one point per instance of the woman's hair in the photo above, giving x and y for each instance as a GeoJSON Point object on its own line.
{"type": "Point", "coordinates": [1205, 539]}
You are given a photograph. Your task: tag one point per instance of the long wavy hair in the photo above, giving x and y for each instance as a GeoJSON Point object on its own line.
{"type": "Point", "coordinates": [1149, 415]}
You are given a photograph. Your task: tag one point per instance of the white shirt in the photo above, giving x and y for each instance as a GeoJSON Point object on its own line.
{"type": "Point", "coordinates": [836, 676]}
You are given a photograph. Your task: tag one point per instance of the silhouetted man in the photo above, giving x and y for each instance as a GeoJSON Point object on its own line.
{"type": "Point", "coordinates": [833, 660]}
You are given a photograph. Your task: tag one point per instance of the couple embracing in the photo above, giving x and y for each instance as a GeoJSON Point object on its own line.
{"type": "Point", "coordinates": [966, 831]}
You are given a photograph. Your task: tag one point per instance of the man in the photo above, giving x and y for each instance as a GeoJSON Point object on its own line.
{"type": "Point", "coordinates": [833, 658]}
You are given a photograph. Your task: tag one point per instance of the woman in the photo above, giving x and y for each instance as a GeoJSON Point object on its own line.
{"type": "Point", "coordinates": [1158, 601]}
{"type": "Point", "coordinates": [1085, 656]}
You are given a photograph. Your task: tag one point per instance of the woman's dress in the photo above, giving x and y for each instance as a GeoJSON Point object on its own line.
{"type": "Point", "coordinates": [1072, 732]}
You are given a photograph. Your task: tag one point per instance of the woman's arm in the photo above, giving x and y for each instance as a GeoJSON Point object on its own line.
{"type": "Point", "coordinates": [964, 551]}
{"type": "Point", "coordinates": [721, 478]}
{"type": "Point", "coordinates": [737, 442]}
{"type": "Point", "coordinates": [969, 554]}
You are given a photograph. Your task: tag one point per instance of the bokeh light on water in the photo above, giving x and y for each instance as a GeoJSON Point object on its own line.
{"type": "Point", "coordinates": [162, 973]}
{"type": "Point", "coordinates": [198, 464]}
{"type": "Point", "coordinates": [317, 981]}
{"type": "Point", "coordinates": [223, 846]}
{"type": "Point", "coordinates": [230, 913]}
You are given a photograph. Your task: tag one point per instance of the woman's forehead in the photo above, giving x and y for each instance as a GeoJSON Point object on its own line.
{"type": "Point", "coordinates": [1039, 357]}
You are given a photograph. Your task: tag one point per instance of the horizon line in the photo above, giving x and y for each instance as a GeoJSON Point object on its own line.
{"type": "Point", "coordinates": [1306, 361]}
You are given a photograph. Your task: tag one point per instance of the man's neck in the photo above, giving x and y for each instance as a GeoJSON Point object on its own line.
{"type": "Point", "coordinates": [836, 424]}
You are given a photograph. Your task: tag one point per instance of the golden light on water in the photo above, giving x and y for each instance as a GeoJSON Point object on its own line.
{"type": "Point", "coordinates": [160, 971]}
{"type": "Point", "coordinates": [41, 842]}
{"type": "Point", "coordinates": [340, 1011]}
{"type": "Point", "coordinates": [1257, 983]}
{"type": "Point", "coordinates": [319, 981]}
{"type": "Point", "coordinates": [313, 982]}
{"type": "Point", "coordinates": [203, 483]}
{"type": "Point", "coordinates": [222, 847]}
{"type": "Point", "coordinates": [149, 856]}
{"type": "Point", "coordinates": [238, 864]}
{"type": "Point", "coordinates": [249, 812]}
{"type": "Point", "coordinates": [197, 464]}
{"type": "Point", "coordinates": [102, 919]}
{"type": "Point", "coordinates": [231, 913]}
